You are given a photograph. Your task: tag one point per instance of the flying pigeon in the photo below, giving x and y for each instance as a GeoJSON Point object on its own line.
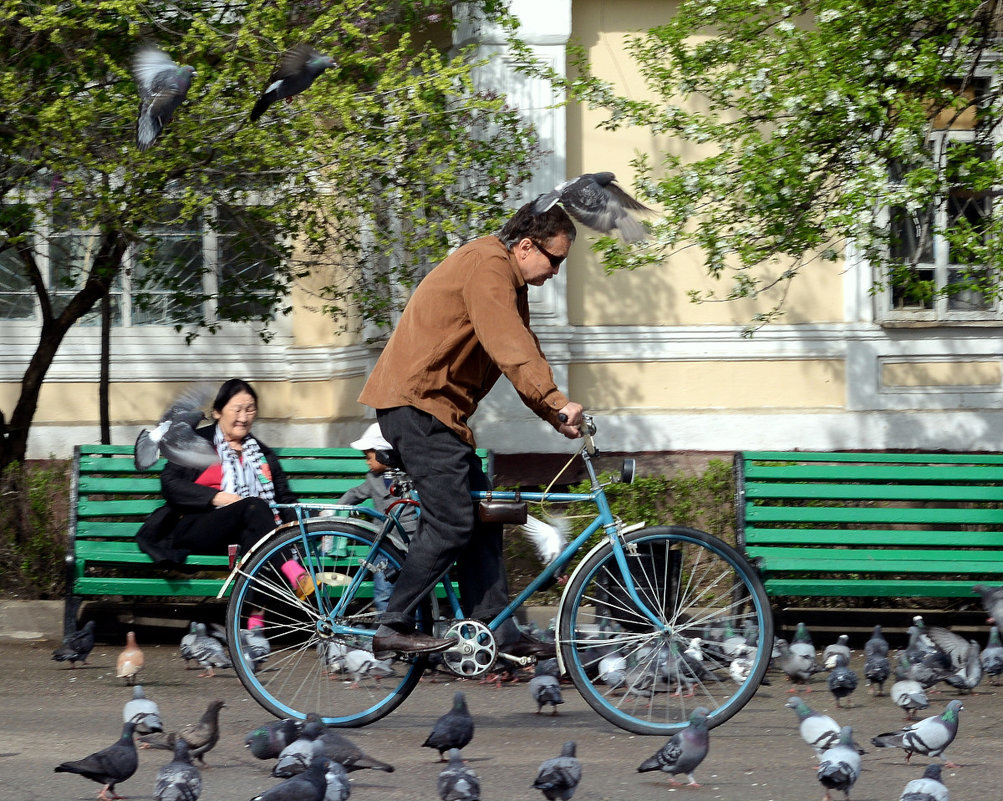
{"type": "Point", "coordinates": [835, 649]}
{"type": "Point", "coordinates": [684, 751]}
{"type": "Point", "coordinates": [545, 689]}
{"type": "Point", "coordinates": [558, 778]}
{"type": "Point", "coordinates": [110, 765]}
{"type": "Point", "coordinates": [297, 69]}
{"type": "Point", "coordinates": [910, 695]}
{"type": "Point", "coordinates": [929, 788]}
{"type": "Point", "coordinates": [340, 749]}
{"type": "Point", "coordinates": [992, 656]}
{"type": "Point", "coordinates": [178, 780]}
{"type": "Point", "coordinates": [201, 737]}
{"type": "Point", "coordinates": [548, 536]}
{"type": "Point", "coordinates": [842, 681]}
{"type": "Point", "coordinates": [143, 712]}
{"type": "Point", "coordinates": [130, 660]}
{"type": "Point", "coordinates": [297, 756]}
{"type": "Point", "coordinates": [965, 671]}
{"type": "Point", "coordinates": [267, 742]}
{"type": "Point", "coordinates": [877, 669]}
{"type": "Point", "coordinates": [453, 730]}
{"type": "Point", "coordinates": [839, 766]}
{"type": "Point", "coordinates": [310, 785]}
{"type": "Point", "coordinates": [76, 646]}
{"type": "Point", "coordinates": [456, 781]}
{"type": "Point", "coordinates": [174, 436]}
{"type": "Point", "coordinates": [992, 602]}
{"type": "Point", "coordinates": [877, 644]}
{"type": "Point", "coordinates": [162, 88]}
{"type": "Point", "coordinates": [928, 737]}
{"type": "Point", "coordinates": [597, 201]}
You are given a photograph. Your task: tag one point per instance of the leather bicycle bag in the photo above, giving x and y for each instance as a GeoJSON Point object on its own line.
{"type": "Point", "coordinates": [492, 511]}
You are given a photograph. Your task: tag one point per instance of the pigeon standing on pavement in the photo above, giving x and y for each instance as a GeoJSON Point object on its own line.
{"type": "Point", "coordinates": [992, 602]}
{"type": "Point", "coordinates": [130, 660]}
{"type": "Point", "coordinates": [267, 741]}
{"type": "Point", "coordinates": [877, 669]}
{"type": "Point", "coordinates": [178, 780]}
{"type": "Point", "coordinates": [928, 788]}
{"type": "Point", "coordinates": [684, 751]}
{"type": "Point", "coordinates": [297, 69]}
{"type": "Point", "coordinates": [840, 647]}
{"type": "Point", "coordinates": [456, 781]}
{"type": "Point", "coordinates": [453, 730]}
{"type": "Point", "coordinates": [336, 777]}
{"type": "Point", "coordinates": [798, 668]}
{"type": "Point", "coordinates": [340, 749]}
{"type": "Point", "coordinates": [597, 201]}
{"type": "Point", "coordinates": [110, 765]}
{"type": "Point", "coordinates": [76, 646]}
{"type": "Point", "coordinates": [297, 756]}
{"type": "Point", "coordinates": [187, 647]}
{"type": "Point", "coordinates": [927, 737]}
{"type": "Point", "coordinates": [839, 766]}
{"type": "Point", "coordinates": [310, 785]}
{"type": "Point", "coordinates": [909, 695]}
{"type": "Point", "coordinates": [877, 644]}
{"type": "Point", "coordinates": [842, 681]}
{"type": "Point", "coordinates": [162, 86]}
{"type": "Point", "coordinates": [545, 689]}
{"type": "Point", "coordinates": [255, 646]}
{"type": "Point", "coordinates": [209, 652]}
{"type": "Point", "coordinates": [992, 656]}
{"type": "Point", "coordinates": [174, 436]}
{"type": "Point", "coordinates": [558, 778]}
{"type": "Point", "coordinates": [201, 737]}
{"type": "Point", "coordinates": [818, 730]}
{"type": "Point", "coordinates": [142, 711]}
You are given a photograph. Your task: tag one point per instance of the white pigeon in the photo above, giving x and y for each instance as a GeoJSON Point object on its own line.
{"type": "Point", "coordinates": [613, 670]}
{"type": "Point", "coordinates": [548, 536]}
{"type": "Point", "coordinates": [142, 711]}
{"type": "Point", "coordinates": [597, 201]}
{"type": "Point", "coordinates": [174, 436]}
{"type": "Point", "coordinates": [162, 86]}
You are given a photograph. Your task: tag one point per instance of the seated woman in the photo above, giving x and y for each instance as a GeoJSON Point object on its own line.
{"type": "Point", "coordinates": [226, 504]}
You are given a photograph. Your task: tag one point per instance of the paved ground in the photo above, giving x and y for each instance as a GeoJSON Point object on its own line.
{"type": "Point", "coordinates": [49, 713]}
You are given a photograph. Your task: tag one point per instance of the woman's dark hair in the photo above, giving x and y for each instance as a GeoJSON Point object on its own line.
{"type": "Point", "coordinates": [230, 388]}
{"type": "Point", "coordinates": [537, 227]}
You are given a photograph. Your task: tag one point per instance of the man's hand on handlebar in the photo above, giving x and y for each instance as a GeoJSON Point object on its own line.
{"type": "Point", "coordinates": [571, 420]}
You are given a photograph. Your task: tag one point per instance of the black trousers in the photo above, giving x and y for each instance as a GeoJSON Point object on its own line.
{"type": "Point", "coordinates": [243, 522]}
{"type": "Point", "coordinates": [444, 469]}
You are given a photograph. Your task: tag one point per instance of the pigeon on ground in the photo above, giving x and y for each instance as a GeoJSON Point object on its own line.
{"type": "Point", "coordinates": [798, 668]}
{"type": "Point", "coordinates": [839, 766]}
{"type": "Point", "coordinates": [187, 647]}
{"type": "Point", "coordinates": [929, 788]}
{"type": "Point", "coordinates": [877, 669]}
{"type": "Point", "coordinates": [162, 86]}
{"type": "Point", "coordinates": [597, 201]}
{"type": "Point", "coordinates": [340, 749]}
{"type": "Point", "coordinates": [910, 695]}
{"type": "Point", "coordinates": [992, 656]}
{"type": "Point", "coordinates": [818, 730]}
{"type": "Point", "coordinates": [130, 660]}
{"type": "Point", "coordinates": [548, 667]}
{"type": "Point", "coordinates": [684, 751]}
{"type": "Point", "coordinates": [992, 602]}
{"type": "Point", "coordinates": [208, 652]}
{"type": "Point", "coordinates": [545, 689]}
{"type": "Point", "coordinates": [830, 653]}
{"type": "Point", "coordinates": [362, 665]}
{"type": "Point", "coordinates": [558, 778]}
{"type": "Point", "coordinates": [613, 670]}
{"type": "Point", "coordinates": [110, 765]}
{"type": "Point", "coordinates": [76, 646]}
{"type": "Point", "coordinates": [310, 785]}
{"type": "Point", "coordinates": [456, 781]}
{"type": "Point", "coordinates": [927, 737]}
{"type": "Point", "coordinates": [920, 645]}
{"type": "Point", "coordinates": [965, 671]}
{"type": "Point", "coordinates": [174, 436]}
{"type": "Point", "coordinates": [453, 730]}
{"type": "Point", "coordinates": [143, 712]}
{"type": "Point", "coordinates": [877, 644]}
{"type": "Point", "coordinates": [297, 69]}
{"type": "Point", "coordinates": [842, 681]}
{"type": "Point", "coordinates": [255, 647]}
{"type": "Point", "coordinates": [201, 737]}
{"type": "Point", "coordinates": [338, 786]}
{"type": "Point", "coordinates": [267, 742]}
{"type": "Point", "coordinates": [178, 780]}
{"type": "Point", "coordinates": [297, 756]}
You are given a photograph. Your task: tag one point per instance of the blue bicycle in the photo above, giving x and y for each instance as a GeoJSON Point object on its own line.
{"type": "Point", "coordinates": [653, 621]}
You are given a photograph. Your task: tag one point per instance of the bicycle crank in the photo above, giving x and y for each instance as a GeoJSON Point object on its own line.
{"type": "Point", "coordinates": [475, 651]}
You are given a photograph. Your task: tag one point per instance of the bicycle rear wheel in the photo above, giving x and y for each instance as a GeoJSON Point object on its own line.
{"type": "Point", "coordinates": [712, 646]}
{"type": "Point", "coordinates": [311, 664]}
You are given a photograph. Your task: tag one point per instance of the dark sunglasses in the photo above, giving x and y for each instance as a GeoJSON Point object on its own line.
{"type": "Point", "coordinates": [555, 261]}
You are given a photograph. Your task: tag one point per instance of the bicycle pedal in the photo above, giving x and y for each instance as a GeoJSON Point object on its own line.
{"type": "Point", "coordinates": [520, 661]}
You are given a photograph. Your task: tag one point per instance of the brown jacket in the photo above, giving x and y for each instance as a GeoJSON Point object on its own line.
{"type": "Point", "coordinates": [465, 325]}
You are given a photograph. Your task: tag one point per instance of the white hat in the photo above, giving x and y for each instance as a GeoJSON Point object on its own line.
{"type": "Point", "coordinates": [372, 440]}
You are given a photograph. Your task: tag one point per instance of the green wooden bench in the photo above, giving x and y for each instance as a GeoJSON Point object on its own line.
{"type": "Point", "coordinates": [110, 499]}
{"type": "Point", "coordinates": [871, 525]}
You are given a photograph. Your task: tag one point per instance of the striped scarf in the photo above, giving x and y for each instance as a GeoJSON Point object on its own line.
{"type": "Point", "coordinates": [249, 477]}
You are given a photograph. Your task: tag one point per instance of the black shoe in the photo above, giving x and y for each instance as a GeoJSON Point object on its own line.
{"type": "Point", "coordinates": [527, 645]}
{"type": "Point", "coordinates": [412, 642]}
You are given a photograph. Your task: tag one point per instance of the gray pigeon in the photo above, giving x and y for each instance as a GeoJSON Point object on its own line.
{"type": "Point", "coordinates": [965, 671]}
{"type": "Point", "coordinates": [174, 436]}
{"type": "Point", "coordinates": [209, 652]}
{"type": "Point", "coordinates": [338, 786]}
{"type": "Point", "coordinates": [297, 756]}
{"type": "Point", "coordinates": [256, 647]}
{"type": "Point", "coordinates": [684, 751]}
{"type": "Point", "coordinates": [162, 86]}
{"type": "Point", "coordinates": [839, 766]}
{"type": "Point", "coordinates": [340, 749]}
{"type": "Point", "coordinates": [267, 742]}
{"type": "Point", "coordinates": [818, 730]}
{"type": "Point", "coordinates": [877, 669]}
{"type": "Point", "coordinates": [187, 647]}
{"type": "Point", "coordinates": [842, 681]}
{"type": "Point", "coordinates": [297, 69]}
{"type": "Point", "coordinates": [927, 737]}
{"type": "Point", "coordinates": [110, 765]}
{"type": "Point", "coordinates": [798, 668]}
{"type": "Point", "coordinates": [143, 712]}
{"type": "Point", "coordinates": [457, 782]}
{"type": "Point", "coordinates": [453, 730]}
{"type": "Point", "coordinates": [559, 777]}
{"type": "Point", "coordinates": [877, 644]}
{"type": "Point", "coordinates": [545, 689]}
{"type": "Point", "coordinates": [76, 646]}
{"type": "Point", "coordinates": [929, 788]}
{"type": "Point", "coordinates": [310, 785]}
{"type": "Point", "coordinates": [201, 737]}
{"type": "Point", "coordinates": [841, 646]}
{"type": "Point", "coordinates": [597, 201]}
{"type": "Point", "coordinates": [178, 780]}
{"type": "Point", "coordinates": [992, 656]}
{"type": "Point", "coordinates": [910, 695]}
{"type": "Point", "coordinates": [992, 602]}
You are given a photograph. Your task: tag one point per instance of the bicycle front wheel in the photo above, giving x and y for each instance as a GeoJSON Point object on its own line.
{"type": "Point", "coordinates": [287, 618]}
{"type": "Point", "coordinates": [711, 646]}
